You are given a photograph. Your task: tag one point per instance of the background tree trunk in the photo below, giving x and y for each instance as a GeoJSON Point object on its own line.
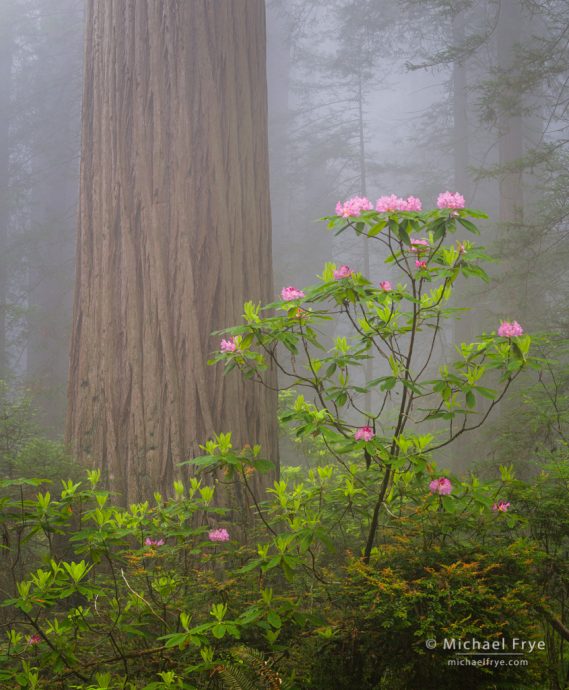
{"type": "Point", "coordinates": [5, 90]}
{"type": "Point", "coordinates": [53, 201]}
{"type": "Point", "coordinates": [174, 234]}
{"type": "Point", "coordinates": [510, 144]}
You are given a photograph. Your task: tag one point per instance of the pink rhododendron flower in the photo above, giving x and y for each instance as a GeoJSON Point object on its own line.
{"type": "Point", "coordinates": [510, 330]}
{"type": "Point", "coordinates": [413, 204]}
{"type": "Point", "coordinates": [385, 285]}
{"type": "Point", "coordinates": [364, 433]}
{"type": "Point", "coordinates": [34, 639]}
{"type": "Point", "coordinates": [153, 542]}
{"type": "Point", "coordinates": [387, 204]}
{"type": "Point", "coordinates": [418, 244]}
{"type": "Point", "coordinates": [420, 264]}
{"type": "Point", "coordinates": [440, 486]}
{"type": "Point", "coordinates": [228, 345]}
{"type": "Point", "coordinates": [218, 535]}
{"type": "Point", "coordinates": [342, 272]}
{"type": "Point", "coordinates": [353, 206]}
{"type": "Point", "coordinates": [450, 200]}
{"type": "Point", "coordinates": [501, 506]}
{"type": "Point", "coordinates": [290, 293]}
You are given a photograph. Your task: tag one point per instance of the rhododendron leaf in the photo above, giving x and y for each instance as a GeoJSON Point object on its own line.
{"type": "Point", "coordinates": [377, 228]}
{"type": "Point", "coordinates": [476, 214]}
{"type": "Point", "coordinates": [175, 640]}
{"type": "Point", "coordinates": [219, 630]}
{"type": "Point", "coordinates": [203, 461]}
{"type": "Point", "coordinates": [250, 615]}
{"type": "Point", "coordinates": [404, 236]}
{"type": "Point", "coordinates": [449, 503]}
{"type": "Point", "coordinates": [389, 382]}
{"type": "Point", "coordinates": [341, 230]}
{"type": "Point", "coordinates": [486, 392]}
{"type": "Point", "coordinates": [468, 225]}
{"type": "Point", "coordinates": [470, 270]}
{"type": "Point", "coordinates": [262, 465]}
{"type": "Point", "coordinates": [274, 619]}
{"type": "Point", "coordinates": [517, 351]}
{"type": "Point", "coordinates": [250, 566]}
{"type": "Point", "coordinates": [5, 483]}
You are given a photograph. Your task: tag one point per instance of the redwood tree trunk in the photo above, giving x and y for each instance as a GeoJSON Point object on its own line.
{"type": "Point", "coordinates": [174, 234]}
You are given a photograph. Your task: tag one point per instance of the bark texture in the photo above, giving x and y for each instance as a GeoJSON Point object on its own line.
{"type": "Point", "coordinates": [174, 234]}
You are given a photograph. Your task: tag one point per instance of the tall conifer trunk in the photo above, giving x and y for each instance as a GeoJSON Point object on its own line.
{"type": "Point", "coordinates": [174, 234]}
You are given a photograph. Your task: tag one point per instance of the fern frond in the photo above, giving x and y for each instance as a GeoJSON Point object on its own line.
{"type": "Point", "coordinates": [250, 671]}
{"type": "Point", "coordinates": [235, 677]}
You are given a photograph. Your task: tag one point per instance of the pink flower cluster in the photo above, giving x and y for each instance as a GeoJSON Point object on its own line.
{"type": "Point", "coordinates": [385, 285]}
{"type": "Point", "coordinates": [452, 200]}
{"type": "Point", "coordinates": [342, 272]}
{"type": "Point", "coordinates": [364, 433]}
{"type": "Point", "coordinates": [228, 345]}
{"type": "Point", "coordinates": [510, 330]}
{"type": "Point", "coordinates": [218, 535]}
{"type": "Point", "coordinates": [154, 542]}
{"type": "Point", "coordinates": [421, 264]}
{"type": "Point", "coordinates": [291, 293]}
{"type": "Point", "coordinates": [391, 203]}
{"type": "Point", "coordinates": [353, 206]}
{"type": "Point", "coordinates": [34, 639]}
{"type": "Point", "coordinates": [440, 486]}
{"type": "Point", "coordinates": [501, 506]}
{"type": "Point", "coordinates": [418, 244]}
{"type": "Point", "coordinates": [388, 204]}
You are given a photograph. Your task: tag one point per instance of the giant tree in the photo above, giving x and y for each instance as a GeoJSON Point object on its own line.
{"type": "Point", "coordinates": [174, 234]}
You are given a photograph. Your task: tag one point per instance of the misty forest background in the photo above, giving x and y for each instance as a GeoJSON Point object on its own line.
{"type": "Point", "coordinates": [364, 97]}
{"type": "Point", "coordinates": [154, 156]}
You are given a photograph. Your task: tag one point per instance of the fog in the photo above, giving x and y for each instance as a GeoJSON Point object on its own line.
{"type": "Point", "coordinates": [408, 97]}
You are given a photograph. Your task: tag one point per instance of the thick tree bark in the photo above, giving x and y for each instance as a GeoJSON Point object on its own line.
{"type": "Point", "coordinates": [174, 234]}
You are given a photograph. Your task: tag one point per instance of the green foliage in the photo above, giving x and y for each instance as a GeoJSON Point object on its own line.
{"type": "Point", "coordinates": [396, 328]}
{"type": "Point", "coordinates": [341, 572]}
{"type": "Point", "coordinates": [249, 671]}
{"type": "Point", "coordinates": [300, 604]}
{"type": "Point", "coordinates": [23, 453]}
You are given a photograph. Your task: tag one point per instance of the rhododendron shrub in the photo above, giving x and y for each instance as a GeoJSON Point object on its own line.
{"type": "Point", "coordinates": [397, 323]}
{"type": "Point", "coordinates": [342, 570]}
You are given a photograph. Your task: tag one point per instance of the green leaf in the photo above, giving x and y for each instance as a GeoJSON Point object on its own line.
{"type": "Point", "coordinates": [262, 465]}
{"type": "Point", "coordinates": [219, 630]}
{"type": "Point", "coordinates": [376, 229]}
{"type": "Point", "coordinates": [468, 225]}
{"type": "Point", "coordinates": [274, 619]}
